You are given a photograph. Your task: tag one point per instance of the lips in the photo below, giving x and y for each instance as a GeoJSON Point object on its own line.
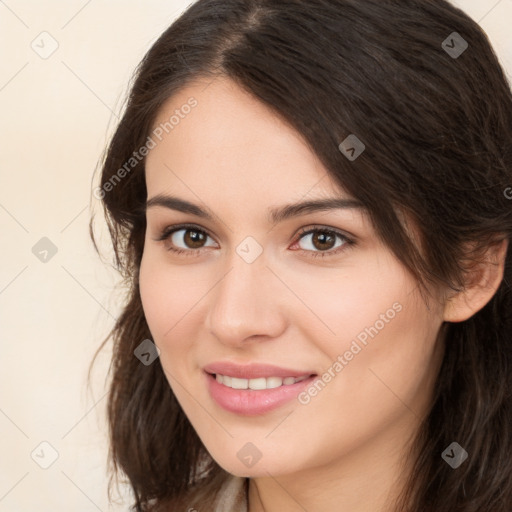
{"type": "Point", "coordinates": [254, 370]}
{"type": "Point", "coordinates": [258, 389]}
{"type": "Point", "coordinates": [249, 402]}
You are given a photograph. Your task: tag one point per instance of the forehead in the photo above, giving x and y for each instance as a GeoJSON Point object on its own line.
{"type": "Point", "coordinates": [230, 140]}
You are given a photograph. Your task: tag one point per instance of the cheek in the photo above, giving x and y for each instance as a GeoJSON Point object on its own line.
{"type": "Point", "coordinates": [381, 337]}
{"type": "Point", "coordinates": [167, 294]}
{"type": "Point", "coordinates": [152, 292]}
{"type": "Point", "coordinates": [386, 361]}
{"type": "Point", "coordinates": [173, 303]}
{"type": "Point", "coordinates": [339, 304]}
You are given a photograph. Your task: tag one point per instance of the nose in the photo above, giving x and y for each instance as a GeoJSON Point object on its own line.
{"type": "Point", "coordinates": [246, 304]}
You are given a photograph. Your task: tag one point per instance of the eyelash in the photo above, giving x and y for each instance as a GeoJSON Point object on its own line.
{"type": "Point", "coordinates": [348, 242]}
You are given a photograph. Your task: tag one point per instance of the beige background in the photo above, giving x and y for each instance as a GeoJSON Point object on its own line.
{"type": "Point", "coordinates": [56, 116]}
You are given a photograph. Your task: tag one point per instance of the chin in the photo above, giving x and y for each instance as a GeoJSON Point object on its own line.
{"type": "Point", "coordinates": [261, 467]}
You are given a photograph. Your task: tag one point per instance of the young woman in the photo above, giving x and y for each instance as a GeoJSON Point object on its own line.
{"type": "Point", "coordinates": [311, 204]}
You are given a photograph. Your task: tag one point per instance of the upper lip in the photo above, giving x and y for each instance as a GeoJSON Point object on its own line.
{"type": "Point", "coordinates": [253, 370]}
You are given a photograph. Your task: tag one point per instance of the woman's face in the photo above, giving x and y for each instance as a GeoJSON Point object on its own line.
{"type": "Point", "coordinates": [311, 291]}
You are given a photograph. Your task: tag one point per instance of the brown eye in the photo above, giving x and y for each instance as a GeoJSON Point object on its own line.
{"type": "Point", "coordinates": [321, 241]}
{"type": "Point", "coordinates": [185, 239]}
{"type": "Point", "coordinates": [194, 239]}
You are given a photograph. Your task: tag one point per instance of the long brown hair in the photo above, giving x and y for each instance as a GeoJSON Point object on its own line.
{"type": "Point", "coordinates": [418, 82]}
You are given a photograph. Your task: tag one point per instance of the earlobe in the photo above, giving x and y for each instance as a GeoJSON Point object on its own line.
{"type": "Point", "coordinates": [482, 283]}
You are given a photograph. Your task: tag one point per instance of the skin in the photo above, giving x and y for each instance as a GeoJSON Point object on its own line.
{"type": "Point", "coordinates": [343, 450]}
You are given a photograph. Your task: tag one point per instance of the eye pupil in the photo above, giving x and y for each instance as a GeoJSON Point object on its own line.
{"type": "Point", "coordinates": [195, 239]}
{"type": "Point", "coordinates": [323, 237]}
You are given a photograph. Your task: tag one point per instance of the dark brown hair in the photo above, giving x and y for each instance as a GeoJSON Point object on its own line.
{"type": "Point", "coordinates": [437, 127]}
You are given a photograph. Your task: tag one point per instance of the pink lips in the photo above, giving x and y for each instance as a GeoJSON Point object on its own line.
{"type": "Point", "coordinates": [248, 402]}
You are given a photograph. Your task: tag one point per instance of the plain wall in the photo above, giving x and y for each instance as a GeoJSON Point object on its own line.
{"type": "Point", "coordinates": [56, 116]}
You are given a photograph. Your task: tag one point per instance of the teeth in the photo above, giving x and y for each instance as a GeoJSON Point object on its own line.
{"type": "Point", "coordinates": [257, 384]}
{"type": "Point", "coordinates": [239, 383]}
{"type": "Point", "coordinates": [274, 382]}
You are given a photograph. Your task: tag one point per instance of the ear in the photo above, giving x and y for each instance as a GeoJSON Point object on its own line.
{"type": "Point", "coordinates": [482, 283]}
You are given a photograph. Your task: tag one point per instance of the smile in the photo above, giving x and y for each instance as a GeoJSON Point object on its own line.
{"type": "Point", "coordinates": [257, 396]}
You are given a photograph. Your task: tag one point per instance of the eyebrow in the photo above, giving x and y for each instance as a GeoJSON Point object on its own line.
{"type": "Point", "coordinates": [275, 215]}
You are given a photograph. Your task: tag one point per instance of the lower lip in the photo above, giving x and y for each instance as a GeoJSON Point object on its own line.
{"type": "Point", "coordinates": [249, 402]}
